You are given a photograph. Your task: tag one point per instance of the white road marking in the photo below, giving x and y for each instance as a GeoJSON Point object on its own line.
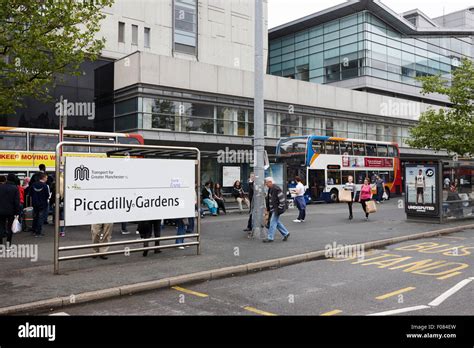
{"type": "Point", "coordinates": [401, 310]}
{"type": "Point", "coordinates": [440, 299]}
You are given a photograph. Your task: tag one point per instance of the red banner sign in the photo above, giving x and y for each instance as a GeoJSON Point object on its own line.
{"type": "Point", "coordinates": [372, 162]}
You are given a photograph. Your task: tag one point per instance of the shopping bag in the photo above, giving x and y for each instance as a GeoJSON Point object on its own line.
{"type": "Point", "coordinates": [385, 196]}
{"type": "Point", "coordinates": [370, 207]}
{"type": "Point", "coordinates": [16, 226]}
{"type": "Point", "coordinates": [345, 196]}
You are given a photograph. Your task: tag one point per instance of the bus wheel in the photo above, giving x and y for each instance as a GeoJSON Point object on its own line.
{"type": "Point", "coordinates": [334, 196]}
{"type": "Point", "coordinates": [387, 191]}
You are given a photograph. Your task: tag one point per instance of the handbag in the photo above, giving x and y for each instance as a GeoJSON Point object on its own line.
{"type": "Point", "coordinates": [16, 226]}
{"type": "Point", "coordinates": [345, 196]}
{"type": "Point", "coordinates": [370, 207]}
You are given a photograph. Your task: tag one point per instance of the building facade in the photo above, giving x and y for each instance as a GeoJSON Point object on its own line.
{"type": "Point", "coordinates": [364, 46]}
{"type": "Point", "coordinates": [180, 72]}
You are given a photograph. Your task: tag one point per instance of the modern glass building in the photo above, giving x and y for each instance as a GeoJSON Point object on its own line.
{"type": "Point", "coordinates": [329, 47]}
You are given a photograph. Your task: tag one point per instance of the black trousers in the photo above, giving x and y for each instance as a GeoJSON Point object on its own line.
{"type": "Point", "coordinates": [349, 204]}
{"type": "Point", "coordinates": [6, 222]}
{"type": "Point", "coordinates": [362, 202]}
{"type": "Point", "coordinates": [146, 229]}
{"type": "Point", "coordinates": [220, 205]}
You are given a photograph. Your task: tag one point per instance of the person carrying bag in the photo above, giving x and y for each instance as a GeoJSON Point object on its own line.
{"type": "Point", "coordinates": [347, 194]}
{"type": "Point", "coordinates": [366, 196]}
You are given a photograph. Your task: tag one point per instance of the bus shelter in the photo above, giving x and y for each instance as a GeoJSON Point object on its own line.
{"type": "Point", "coordinates": [439, 190]}
{"type": "Point", "coordinates": [116, 188]}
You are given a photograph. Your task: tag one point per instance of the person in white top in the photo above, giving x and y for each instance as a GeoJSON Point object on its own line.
{"type": "Point", "coordinates": [299, 200]}
{"type": "Point", "coordinates": [420, 187]}
{"type": "Point", "coordinates": [351, 187]}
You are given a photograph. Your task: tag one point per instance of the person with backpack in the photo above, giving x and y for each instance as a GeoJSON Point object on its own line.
{"type": "Point", "coordinates": [276, 206]}
{"type": "Point", "coordinates": [40, 195]}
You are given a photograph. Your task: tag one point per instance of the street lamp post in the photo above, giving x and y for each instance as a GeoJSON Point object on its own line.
{"type": "Point", "coordinates": [259, 140]}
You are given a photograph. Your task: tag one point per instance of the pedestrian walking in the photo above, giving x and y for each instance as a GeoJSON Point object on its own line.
{"type": "Point", "coordinates": [239, 195]}
{"type": "Point", "coordinates": [365, 195]}
{"type": "Point", "coordinates": [101, 233]}
{"type": "Point", "coordinates": [276, 206]}
{"type": "Point", "coordinates": [351, 187]}
{"type": "Point", "coordinates": [40, 195]}
{"type": "Point", "coordinates": [219, 198]}
{"type": "Point", "coordinates": [146, 229]}
{"type": "Point", "coordinates": [207, 198]}
{"type": "Point", "coordinates": [9, 208]}
{"type": "Point", "coordinates": [299, 200]}
{"type": "Point", "coordinates": [379, 184]}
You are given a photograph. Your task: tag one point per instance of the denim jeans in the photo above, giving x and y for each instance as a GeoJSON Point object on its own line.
{"type": "Point", "coordinates": [190, 227]}
{"type": "Point", "coordinates": [274, 225]}
{"type": "Point", "coordinates": [39, 215]}
{"type": "Point", "coordinates": [301, 205]}
{"type": "Point", "coordinates": [181, 230]}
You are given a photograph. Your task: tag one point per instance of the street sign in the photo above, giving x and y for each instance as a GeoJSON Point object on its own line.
{"type": "Point", "coordinates": [107, 190]}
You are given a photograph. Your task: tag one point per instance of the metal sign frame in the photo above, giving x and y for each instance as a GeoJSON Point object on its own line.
{"type": "Point", "coordinates": [174, 152]}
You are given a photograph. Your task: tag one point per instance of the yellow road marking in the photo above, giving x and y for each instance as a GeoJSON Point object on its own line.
{"type": "Point", "coordinates": [334, 312]}
{"type": "Point", "coordinates": [258, 311]}
{"type": "Point", "coordinates": [191, 292]}
{"type": "Point", "coordinates": [394, 293]}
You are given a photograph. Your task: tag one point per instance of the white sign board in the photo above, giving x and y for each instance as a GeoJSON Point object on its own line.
{"type": "Point", "coordinates": [230, 175]}
{"type": "Point", "coordinates": [106, 190]}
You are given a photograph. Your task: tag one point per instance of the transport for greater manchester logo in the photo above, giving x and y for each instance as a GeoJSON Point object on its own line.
{"type": "Point", "coordinates": [81, 173]}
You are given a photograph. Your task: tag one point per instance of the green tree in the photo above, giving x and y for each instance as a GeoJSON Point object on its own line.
{"type": "Point", "coordinates": [41, 39]}
{"type": "Point", "coordinates": [452, 128]}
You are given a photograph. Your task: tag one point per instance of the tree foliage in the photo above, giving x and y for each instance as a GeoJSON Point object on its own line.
{"type": "Point", "coordinates": [40, 39]}
{"type": "Point", "coordinates": [452, 128]}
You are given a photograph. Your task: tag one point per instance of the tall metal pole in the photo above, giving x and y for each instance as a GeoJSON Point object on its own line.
{"type": "Point", "coordinates": [259, 123]}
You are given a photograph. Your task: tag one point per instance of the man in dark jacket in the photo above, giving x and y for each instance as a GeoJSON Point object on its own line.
{"type": "Point", "coordinates": [276, 205]}
{"type": "Point", "coordinates": [40, 195]}
{"type": "Point", "coordinates": [249, 222]}
{"type": "Point", "coordinates": [9, 207]}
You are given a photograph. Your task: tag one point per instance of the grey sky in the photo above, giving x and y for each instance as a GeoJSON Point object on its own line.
{"type": "Point", "coordinates": [283, 11]}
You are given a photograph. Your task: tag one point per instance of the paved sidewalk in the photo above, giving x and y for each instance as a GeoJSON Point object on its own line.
{"type": "Point", "coordinates": [223, 244]}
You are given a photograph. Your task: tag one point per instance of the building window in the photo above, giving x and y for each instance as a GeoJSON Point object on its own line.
{"type": "Point", "coordinates": [134, 34]}
{"type": "Point", "coordinates": [146, 37]}
{"type": "Point", "coordinates": [121, 32]}
{"type": "Point", "coordinates": [185, 26]}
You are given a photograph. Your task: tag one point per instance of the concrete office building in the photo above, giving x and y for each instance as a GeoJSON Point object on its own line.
{"type": "Point", "coordinates": [181, 73]}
